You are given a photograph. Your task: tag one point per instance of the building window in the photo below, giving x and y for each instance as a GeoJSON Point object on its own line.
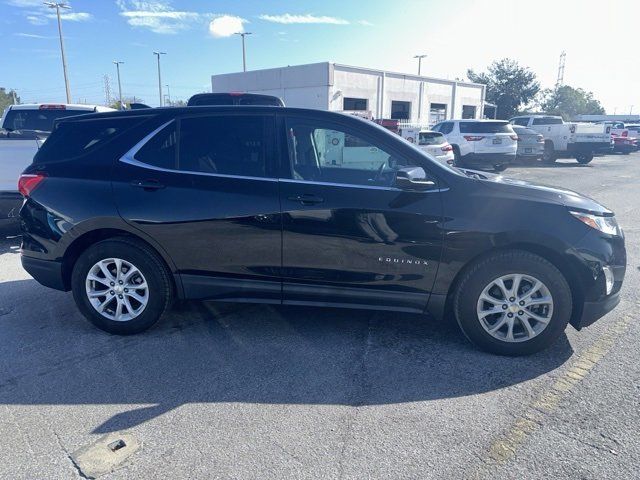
{"type": "Point", "coordinates": [468, 111]}
{"type": "Point", "coordinates": [437, 112]}
{"type": "Point", "coordinates": [400, 110]}
{"type": "Point", "coordinates": [354, 103]}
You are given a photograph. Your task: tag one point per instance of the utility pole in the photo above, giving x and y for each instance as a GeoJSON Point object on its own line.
{"type": "Point", "coordinates": [157, 54]}
{"type": "Point", "coordinates": [58, 6]}
{"type": "Point", "coordinates": [560, 79]}
{"type": "Point", "coordinates": [117, 64]}
{"type": "Point", "coordinates": [15, 100]}
{"type": "Point", "coordinates": [244, 54]}
{"type": "Point", "coordinates": [420, 57]}
{"type": "Point", "coordinates": [168, 95]}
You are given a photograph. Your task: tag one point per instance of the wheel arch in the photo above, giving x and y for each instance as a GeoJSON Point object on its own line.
{"type": "Point", "coordinates": [84, 241]}
{"type": "Point", "coordinates": [568, 268]}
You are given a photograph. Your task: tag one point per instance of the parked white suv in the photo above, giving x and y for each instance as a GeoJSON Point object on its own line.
{"type": "Point", "coordinates": [480, 143]}
{"type": "Point", "coordinates": [435, 144]}
{"type": "Point", "coordinates": [22, 129]}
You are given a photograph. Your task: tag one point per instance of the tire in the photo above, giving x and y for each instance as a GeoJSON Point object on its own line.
{"type": "Point", "coordinates": [501, 167]}
{"type": "Point", "coordinates": [457, 157]}
{"type": "Point", "coordinates": [584, 158]}
{"type": "Point", "coordinates": [467, 304]}
{"type": "Point", "coordinates": [152, 272]}
{"type": "Point", "coordinates": [549, 155]}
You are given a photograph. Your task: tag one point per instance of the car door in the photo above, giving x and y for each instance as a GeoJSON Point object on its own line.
{"type": "Point", "coordinates": [203, 186]}
{"type": "Point", "coordinates": [350, 237]}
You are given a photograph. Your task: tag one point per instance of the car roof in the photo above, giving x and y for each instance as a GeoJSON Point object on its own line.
{"type": "Point", "coordinates": [66, 106]}
{"type": "Point", "coordinates": [482, 120]}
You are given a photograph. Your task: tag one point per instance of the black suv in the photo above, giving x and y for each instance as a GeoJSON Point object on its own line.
{"type": "Point", "coordinates": [132, 210]}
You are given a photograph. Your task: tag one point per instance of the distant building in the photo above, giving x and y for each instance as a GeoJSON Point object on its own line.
{"type": "Point", "coordinates": [378, 93]}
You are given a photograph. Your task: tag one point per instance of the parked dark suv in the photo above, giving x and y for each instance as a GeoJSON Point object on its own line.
{"type": "Point", "coordinates": [132, 210]}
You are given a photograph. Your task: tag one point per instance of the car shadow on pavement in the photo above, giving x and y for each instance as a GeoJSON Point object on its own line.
{"type": "Point", "coordinates": [540, 164]}
{"type": "Point", "coordinates": [9, 244]}
{"type": "Point", "coordinates": [212, 352]}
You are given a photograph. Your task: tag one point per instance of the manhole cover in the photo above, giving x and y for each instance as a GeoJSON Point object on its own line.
{"type": "Point", "coordinates": [106, 454]}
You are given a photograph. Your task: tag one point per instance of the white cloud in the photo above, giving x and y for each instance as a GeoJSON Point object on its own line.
{"type": "Point", "coordinates": [365, 23]}
{"type": "Point", "coordinates": [36, 13]}
{"type": "Point", "coordinates": [288, 18]}
{"type": "Point", "coordinates": [157, 15]}
{"type": "Point", "coordinates": [226, 25]}
{"type": "Point", "coordinates": [30, 35]}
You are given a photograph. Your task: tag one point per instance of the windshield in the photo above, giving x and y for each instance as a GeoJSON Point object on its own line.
{"type": "Point", "coordinates": [36, 119]}
{"type": "Point", "coordinates": [430, 138]}
{"type": "Point", "coordinates": [485, 127]}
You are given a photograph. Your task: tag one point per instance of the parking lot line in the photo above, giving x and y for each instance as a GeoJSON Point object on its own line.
{"type": "Point", "coordinates": [506, 446]}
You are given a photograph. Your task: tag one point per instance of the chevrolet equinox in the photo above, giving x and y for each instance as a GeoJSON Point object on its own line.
{"type": "Point", "coordinates": [132, 210]}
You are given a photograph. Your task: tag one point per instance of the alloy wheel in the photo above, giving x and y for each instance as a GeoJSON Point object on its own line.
{"type": "Point", "coordinates": [515, 307]}
{"type": "Point", "coordinates": [117, 289]}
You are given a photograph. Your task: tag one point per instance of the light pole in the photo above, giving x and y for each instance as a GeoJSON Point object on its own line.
{"type": "Point", "coordinates": [157, 54]}
{"type": "Point", "coordinates": [58, 6]}
{"type": "Point", "coordinates": [168, 95]}
{"type": "Point", "coordinates": [117, 64]}
{"type": "Point", "coordinates": [420, 57]}
{"type": "Point", "coordinates": [244, 55]}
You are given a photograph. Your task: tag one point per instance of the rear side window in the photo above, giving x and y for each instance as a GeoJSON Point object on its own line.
{"type": "Point", "coordinates": [547, 121]}
{"type": "Point", "coordinates": [228, 145]}
{"type": "Point", "coordinates": [485, 127]}
{"type": "Point", "coordinates": [41, 120]}
{"type": "Point", "coordinates": [73, 139]}
{"type": "Point", "coordinates": [521, 121]}
{"type": "Point", "coordinates": [430, 138]}
{"type": "Point", "coordinates": [446, 127]}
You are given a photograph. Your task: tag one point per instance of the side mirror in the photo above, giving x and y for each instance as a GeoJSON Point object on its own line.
{"type": "Point", "coordinates": [413, 178]}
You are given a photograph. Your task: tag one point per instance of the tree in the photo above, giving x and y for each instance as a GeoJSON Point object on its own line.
{"type": "Point", "coordinates": [127, 101]}
{"type": "Point", "coordinates": [569, 102]}
{"type": "Point", "coordinates": [7, 98]}
{"type": "Point", "coordinates": [509, 86]}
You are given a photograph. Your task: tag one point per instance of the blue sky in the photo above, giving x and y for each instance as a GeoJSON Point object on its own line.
{"type": "Point", "coordinates": [456, 34]}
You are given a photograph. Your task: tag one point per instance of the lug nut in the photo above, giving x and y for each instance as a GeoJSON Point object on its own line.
{"type": "Point", "coordinates": [504, 307]}
{"type": "Point", "coordinates": [120, 282]}
{"type": "Point", "coordinates": [112, 292]}
{"type": "Point", "coordinates": [521, 303]}
{"type": "Point", "coordinates": [111, 283]}
{"type": "Point", "coordinates": [510, 315]}
{"type": "Point", "coordinates": [119, 296]}
{"type": "Point", "coordinates": [512, 299]}
{"type": "Point", "coordinates": [126, 290]}
{"type": "Point", "coordinates": [520, 312]}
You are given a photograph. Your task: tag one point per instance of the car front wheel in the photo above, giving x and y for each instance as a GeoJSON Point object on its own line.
{"type": "Point", "coordinates": [513, 303]}
{"type": "Point", "coordinates": [121, 286]}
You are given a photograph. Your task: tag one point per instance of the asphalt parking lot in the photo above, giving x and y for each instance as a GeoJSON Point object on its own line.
{"type": "Point", "coordinates": [237, 391]}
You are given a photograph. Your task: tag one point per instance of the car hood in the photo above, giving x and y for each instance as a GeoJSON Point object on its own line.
{"type": "Point", "coordinates": [544, 193]}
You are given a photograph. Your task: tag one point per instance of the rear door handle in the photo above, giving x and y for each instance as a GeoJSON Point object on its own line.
{"type": "Point", "coordinates": [147, 184]}
{"type": "Point", "coordinates": [306, 199]}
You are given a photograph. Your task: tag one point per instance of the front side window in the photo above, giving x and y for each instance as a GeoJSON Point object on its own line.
{"type": "Point", "coordinates": [328, 153]}
{"type": "Point", "coordinates": [523, 122]}
{"type": "Point", "coordinates": [447, 127]}
{"type": "Point", "coordinates": [225, 144]}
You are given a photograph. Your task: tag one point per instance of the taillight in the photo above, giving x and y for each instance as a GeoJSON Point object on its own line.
{"type": "Point", "coordinates": [514, 137]}
{"type": "Point", "coordinates": [29, 182]}
{"type": "Point", "coordinates": [625, 133]}
{"type": "Point", "coordinates": [473, 138]}
{"type": "Point", "coordinates": [447, 148]}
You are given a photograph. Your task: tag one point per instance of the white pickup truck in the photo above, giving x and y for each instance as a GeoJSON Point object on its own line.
{"type": "Point", "coordinates": [568, 140]}
{"type": "Point", "coordinates": [23, 128]}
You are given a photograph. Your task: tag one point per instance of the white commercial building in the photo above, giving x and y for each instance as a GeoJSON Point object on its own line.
{"type": "Point", "coordinates": [335, 87]}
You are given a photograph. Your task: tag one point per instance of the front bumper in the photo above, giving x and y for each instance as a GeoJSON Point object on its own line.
{"type": "Point", "coordinates": [592, 311]}
{"type": "Point", "coordinates": [45, 272]}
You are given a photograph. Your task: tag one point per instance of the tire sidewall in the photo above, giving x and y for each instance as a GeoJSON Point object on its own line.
{"type": "Point", "coordinates": [529, 264]}
{"type": "Point", "coordinates": [148, 267]}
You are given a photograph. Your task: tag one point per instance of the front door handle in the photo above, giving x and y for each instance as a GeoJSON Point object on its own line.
{"type": "Point", "coordinates": [148, 185]}
{"type": "Point", "coordinates": [306, 199]}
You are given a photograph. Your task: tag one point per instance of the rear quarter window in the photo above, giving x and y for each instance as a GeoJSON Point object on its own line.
{"type": "Point", "coordinates": [431, 138]}
{"type": "Point", "coordinates": [74, 139]}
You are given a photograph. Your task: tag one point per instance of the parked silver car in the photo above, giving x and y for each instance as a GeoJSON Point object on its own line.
{"type": "Point", "coordinates": [530, 143]}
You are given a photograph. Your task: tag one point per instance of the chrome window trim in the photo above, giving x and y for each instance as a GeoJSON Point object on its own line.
{"type": "Point", "coordinates": [130, 159]}
{"type": "Point", "coordinates": [353, 185]}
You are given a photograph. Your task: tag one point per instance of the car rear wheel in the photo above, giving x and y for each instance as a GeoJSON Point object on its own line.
{"type": "Point", "coordinates": [513, 303]}
{"type": "Point", "coordinates": [549, 154]}
{"type": "Point", "coordinates": [121, 286]}
{"type": "Point", "coordinates": [584, 158]}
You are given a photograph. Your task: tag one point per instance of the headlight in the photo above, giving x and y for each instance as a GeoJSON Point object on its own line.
{"type": "Point", "coordinates": [603, 224]}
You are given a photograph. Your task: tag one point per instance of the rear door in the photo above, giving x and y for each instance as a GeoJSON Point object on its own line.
{"type": "Point", "coordinates": [349, 236]}
{"type": "Point", "coordinates": [204, 187]}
